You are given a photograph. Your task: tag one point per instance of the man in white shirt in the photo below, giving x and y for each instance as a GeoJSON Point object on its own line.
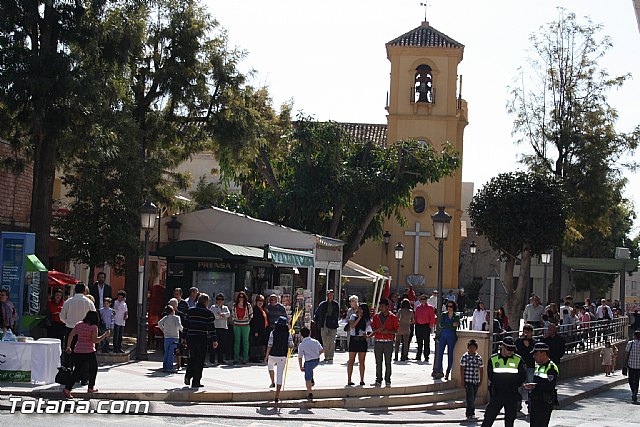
{"type": "Point", "coordinates": [76, 308]}
{"type": "Point", "coordinates": [220, 313]}
{"type": "Point", "coordinates": [433, 300]}
{"type": "Point", "coordinates": [73, 311]}
{"type": "Point", "coordinates": [600, 311]}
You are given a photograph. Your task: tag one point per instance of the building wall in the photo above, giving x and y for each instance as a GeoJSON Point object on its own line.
{"type": "Point", "coordinates": [15, 194]}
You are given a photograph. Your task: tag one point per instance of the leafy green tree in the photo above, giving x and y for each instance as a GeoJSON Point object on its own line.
{"type": "Point", "coordinates": [316, 177]}
{"type": "Point", "coordinates": [45, 87]}
{"type": "Point", "coordinates": [207, 194]}
{"type": "Point", "coordinates": [163, 105]}
{"type": "Point", "coordinates": [562, 113]}
{"type": "Point", "coordinates": [520, 214]}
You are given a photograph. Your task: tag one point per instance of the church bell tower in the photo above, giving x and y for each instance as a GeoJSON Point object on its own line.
{"type": "Point", "coordinates": [424, 103]}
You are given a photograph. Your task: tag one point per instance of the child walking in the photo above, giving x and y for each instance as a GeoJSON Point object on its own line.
{"type": "Point", "coordinates": [107, 316]}
{"type": "Point", "coordinates": [607, 357]}
{"type": "Point", "coordinates": [171, 327]}
{"type": "Point", "coordinates": [471, 373]}
{"type": "Point", "coordinates": [120, 318]}
{"type": "Point", "coordinates": [309, 350]}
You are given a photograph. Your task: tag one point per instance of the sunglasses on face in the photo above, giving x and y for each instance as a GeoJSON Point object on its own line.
{"type": "Point", "coordinates": [449, 306]}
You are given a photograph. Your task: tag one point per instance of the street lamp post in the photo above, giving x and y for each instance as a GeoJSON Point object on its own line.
{"type": "Point", "coordinates": [473, 248]}
{"type": "Point", "coordinates": [173, 228]}
{"type": "Point", "coordinates": [545, 259]}
{"type": "Point", "coordinates": [398, 252]}
{"type": "Point", "coordinates": [441, 222]}
{"type": "Point", "coordinates": [386, 238]}
{"type": "Point", "coordinates": [148, 212]}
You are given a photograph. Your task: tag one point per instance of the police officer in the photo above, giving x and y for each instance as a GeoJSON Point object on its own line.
{"type": "Point", "coordinates": [542, 391]}
{"type": "Point", "coordinates": [506, 372]}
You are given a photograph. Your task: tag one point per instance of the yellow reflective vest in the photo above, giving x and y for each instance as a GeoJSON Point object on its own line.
{"type": "Point", "coordinates": [506, 374]}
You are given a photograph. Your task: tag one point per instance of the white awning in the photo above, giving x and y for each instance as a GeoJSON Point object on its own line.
{"type": "Point", "coordinates": [356, 271]}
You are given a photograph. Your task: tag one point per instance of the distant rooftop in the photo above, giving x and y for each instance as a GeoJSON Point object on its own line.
{"type": "Point", "coordinates": [366, 132]}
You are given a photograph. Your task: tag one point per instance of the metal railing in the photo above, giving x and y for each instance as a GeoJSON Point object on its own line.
{"type": "Point", "coordinates": [581, 336]}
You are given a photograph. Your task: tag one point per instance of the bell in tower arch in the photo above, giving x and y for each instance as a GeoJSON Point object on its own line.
{"type": "Point", "coordinates": [424, 84]}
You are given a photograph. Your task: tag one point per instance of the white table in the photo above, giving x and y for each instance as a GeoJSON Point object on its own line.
{"type": "Point", "coordinates": [39, 358]}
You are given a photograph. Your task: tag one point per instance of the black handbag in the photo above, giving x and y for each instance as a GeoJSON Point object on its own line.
{"type": "Point", "coordinates": [64, 375]}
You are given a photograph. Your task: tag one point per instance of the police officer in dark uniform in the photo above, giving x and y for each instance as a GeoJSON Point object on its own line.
{"type": "Point", "coordinates": [542, 391]}
{"type": "Point", "coordinates": [506, 372]}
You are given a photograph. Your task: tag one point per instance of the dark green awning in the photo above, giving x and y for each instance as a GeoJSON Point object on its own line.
{"type": "Point", "coordinates": [291, 257]}
{"type": "Point", "coordinates": [32, 263]}
{"type": "Point", "coordinates": [201, 249]}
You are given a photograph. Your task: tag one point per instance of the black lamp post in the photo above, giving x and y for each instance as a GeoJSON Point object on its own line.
{"type": "Point", "coordinates": [148, 212]}
{"type": "Point", "coordinates": [173, 228]}
{"type": "Point", "coordinates": [399, 253]}
{"type": "Point", "coordinates": [545, 259]}
{"type": "Point", "coordinates": [473, 248]}
{"type": "Point", "coordinates": [441, 222]}
{"type": "Point", "coordinates": [386, 238]}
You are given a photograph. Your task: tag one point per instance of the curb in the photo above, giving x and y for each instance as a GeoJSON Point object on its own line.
{"type": "Point", "coordinates": [591, 392]}
{"type": "Point", "coordinates": [359, 416]}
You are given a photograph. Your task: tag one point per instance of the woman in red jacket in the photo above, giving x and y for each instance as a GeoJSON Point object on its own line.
{"type": "Point", "coordinates": [56, 327]}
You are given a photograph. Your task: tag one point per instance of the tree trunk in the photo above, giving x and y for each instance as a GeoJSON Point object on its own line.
{"type": "Point", "coordinates": [508, 285]}
{"type": "Point", "coordinates": [355, 242]}
{"type": "Point", "coordinates": [515, 312]}
{"type": "Point", "coordinates": [41, 197]}
{"type": "Point", "coordinates": [92, 274]}
{"type": "Point", "coordinates": [44, 45]}
{"type": "Point", "coordinates": [556, 284]}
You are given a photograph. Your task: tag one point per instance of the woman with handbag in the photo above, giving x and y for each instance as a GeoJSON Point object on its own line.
{"type": "Point", "coordinates": [84, 353]}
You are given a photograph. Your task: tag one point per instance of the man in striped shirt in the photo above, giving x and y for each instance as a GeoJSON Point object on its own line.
{"type": "Point", "coordinates": [199, 328]}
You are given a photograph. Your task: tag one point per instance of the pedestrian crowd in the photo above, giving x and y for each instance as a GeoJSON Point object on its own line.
{"type": "Point", "coordinates": [523, 370]}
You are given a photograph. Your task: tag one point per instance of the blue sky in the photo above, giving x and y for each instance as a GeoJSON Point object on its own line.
{"type": "Point", "coordinates": [328, 56]}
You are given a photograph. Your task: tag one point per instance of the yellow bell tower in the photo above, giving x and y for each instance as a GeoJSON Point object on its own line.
{"type": "Point", "coordinates": [424, 104]}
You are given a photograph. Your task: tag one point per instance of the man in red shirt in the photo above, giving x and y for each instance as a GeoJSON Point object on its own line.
{"type": "Point", "coordinates": [425, 317]}
{"type": "Point", "coordinates": [385, 326]}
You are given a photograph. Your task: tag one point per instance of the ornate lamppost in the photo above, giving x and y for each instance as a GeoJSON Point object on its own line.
{"type": "Point", "coordinates": [148, 212]}
{"type": "Point", "coordinates": [441, 222]}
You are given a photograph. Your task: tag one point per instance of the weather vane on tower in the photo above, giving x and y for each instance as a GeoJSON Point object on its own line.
{"type": "Point", "coordinates": [425, 4]}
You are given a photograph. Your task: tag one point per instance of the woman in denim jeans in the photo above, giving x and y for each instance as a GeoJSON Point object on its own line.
{"type": "Point", "coordinates": [448, 323]}
{"type": "Point", "coordinates": [171, 327]}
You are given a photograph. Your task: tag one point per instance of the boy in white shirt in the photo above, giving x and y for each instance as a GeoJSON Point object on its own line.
{"type": "Point", "coordinates": [120, 318]}
{"type": "Point", "coordinates": [309, 350]}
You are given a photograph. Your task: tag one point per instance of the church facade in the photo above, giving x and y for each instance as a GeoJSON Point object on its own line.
{"type": "Point", "coordinates": [424, 103]}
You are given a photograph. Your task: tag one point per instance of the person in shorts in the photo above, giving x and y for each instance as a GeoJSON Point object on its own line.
{"type": "Point", "coordinates": [280, 341]}
{"type": "Point", "coordinates": [310, 350]}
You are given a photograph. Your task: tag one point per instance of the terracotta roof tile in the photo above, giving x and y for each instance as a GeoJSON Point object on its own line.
{"type": "Point", "coordinates": [366, 132]}
{"type": "Point", "coordinates": [425, 36]}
